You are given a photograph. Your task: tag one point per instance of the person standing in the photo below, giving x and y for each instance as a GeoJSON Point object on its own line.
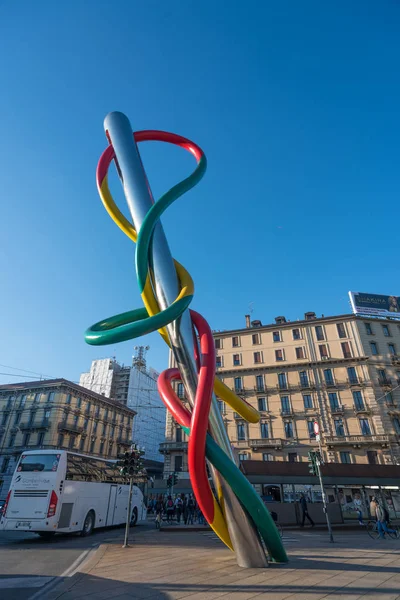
{"type": "Point", "coordinates": [179, 508]}
{"type": "Point", "coordinates": [382, 521]}
{"type": "Point", "coordinates": [190, 510]}
{"type": "Point", "coordinates": [303, 504]}
{"type": "Point", "coordinates": [358, 507]}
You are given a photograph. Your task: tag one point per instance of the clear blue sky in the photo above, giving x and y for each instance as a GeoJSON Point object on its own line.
{"type": "Point", "coordinates": [296, 105]}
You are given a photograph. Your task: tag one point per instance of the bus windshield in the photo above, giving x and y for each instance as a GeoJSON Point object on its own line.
{"type": "Point", "coordinates": [39, 462]}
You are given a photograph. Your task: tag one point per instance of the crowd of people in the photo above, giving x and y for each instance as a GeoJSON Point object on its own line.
{"type": "Point", "coordinates": [182, 508]}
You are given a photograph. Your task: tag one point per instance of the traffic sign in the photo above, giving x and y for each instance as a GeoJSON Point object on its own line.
{"type": "Point", "coordinates": [317, 437]}
{"type": "Point", "coordinates": [316, 428]}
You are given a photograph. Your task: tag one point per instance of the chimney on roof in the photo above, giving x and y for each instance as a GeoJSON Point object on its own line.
{"type": "Point", "coordinates": [247, 317]}
{"type": "Point", "coordinates": [280, 320]}
{"type": "Point", "coordinates": [310, 316]}
{"type": "Point", "coordinates": [256, 323]}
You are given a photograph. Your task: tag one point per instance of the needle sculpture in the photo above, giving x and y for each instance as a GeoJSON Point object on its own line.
{"type": "Point", "coordinates": [236, 513]}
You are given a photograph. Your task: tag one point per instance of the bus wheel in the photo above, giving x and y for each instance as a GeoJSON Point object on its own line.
{"type": "Point", "coordinates": [88, 524]}
{"type": "Point", "coordinates": [46, 535]}
{"type": "Point", "coordinates": [134, 518]}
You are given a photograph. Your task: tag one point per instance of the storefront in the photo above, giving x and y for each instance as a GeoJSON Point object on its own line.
{"type": "Point", "coordinates": [348, 488]}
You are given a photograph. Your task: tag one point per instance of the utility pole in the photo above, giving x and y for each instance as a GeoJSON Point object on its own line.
{"type": "Point", "coordinates": [315, 461]}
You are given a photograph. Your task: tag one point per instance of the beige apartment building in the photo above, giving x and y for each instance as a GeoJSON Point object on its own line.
{"type": "Point", "coordinates": [342, 372]}
{"type": "Point", "coordinates": [59, 414]}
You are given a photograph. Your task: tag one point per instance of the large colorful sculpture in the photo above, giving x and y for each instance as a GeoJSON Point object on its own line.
{"type": "Point", "coordinates": [236, 513]}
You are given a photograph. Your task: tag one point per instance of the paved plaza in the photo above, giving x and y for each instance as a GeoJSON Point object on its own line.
{"type": "Point", "coordinates": [195, 565]}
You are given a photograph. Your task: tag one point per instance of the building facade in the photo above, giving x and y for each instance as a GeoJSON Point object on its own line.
{"type": "Point", "coordinates": [59, 414]}
{"type": "Point", "coordinates": [136, 387]}
{"type": "Point", "coordinates": [342, 372]}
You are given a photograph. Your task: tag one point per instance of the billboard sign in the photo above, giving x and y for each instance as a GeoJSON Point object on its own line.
{"type": "Point", "coordinates": [375, 305]}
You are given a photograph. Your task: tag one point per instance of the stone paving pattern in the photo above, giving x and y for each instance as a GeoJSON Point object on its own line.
{"type": "Point", "coordinates": [197, 566]}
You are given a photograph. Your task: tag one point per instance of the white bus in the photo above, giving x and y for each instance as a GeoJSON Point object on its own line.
{"type": "Point", "coordinates": [56, 491]}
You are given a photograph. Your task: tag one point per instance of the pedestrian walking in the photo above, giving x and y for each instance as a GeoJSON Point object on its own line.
{"type": "Point", "coordinates": [159, 507]}
{"type": "Point", "coordinates": [190, 509]}
{"type": "Point", "coordinates": [179, 508]}
{"type": "Point", "coordinates": [169, 508]}
{"type": "Point", "coordinates": [382, 520]}
{"type": "Point", "coordinates": [303, 504]}
{"type": "Point", "coordinates": [358, 506]}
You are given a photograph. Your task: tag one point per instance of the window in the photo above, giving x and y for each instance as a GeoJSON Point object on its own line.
{"type": "Point", "coordinates": [218, 343]}
{"type": "Point", "coordinates": [218, 362]}
{"type": "Point", "coordinates": [26, 438]}
{"type": "Point", "coordinates": [285, 405]}
{"type": "Point", "coordinates": [311, 432]}
{"type": "Point", "coordinates": [76, 420]}
{"type": "Point", "coordinates": [279, 355]}
{"type": "Point", "coordinates": [122, 418]}
{"type": "Point", "coordinates": [78, 402]}
{"type": "Point", "coordinates": [345, 458]}
{"type": "Point", "coordinates": [9, 403]}
{"type": "Point", "coordinates": [101, 449]}
{"type": "Point", "coordinates": [396, 425]}
{"type": "Point", "coordinates": [17, 418]}
{"type": "Point", "coordinates": [300, 353]}
{"type": "Point", "coordinates": [346, 349]}
{"type": "Point", "coordinates": [104, 428]}
{"type": "Point", "coordinates": [374, 348]}
{"type": "Point", "coordinates": [341, 329]}
{"type": "Point", "coordinates": [178, 434]}
{"type": "Point", "coordinates": [262, 404]}
{"type": "Point", "coordinates": [180, 390]}
{"type": "Point", "coordinates": [352, 375]}
{"type": "Point", "coordinates": [382, 376]}
{"type": "Point", "coordinates": [37, 397]}
{"type": "Point", "coordinates": [97, 413]}
{"type": "Point", "coordinates": [389, 397]}
{"type": "Point", "coordinates": [238, 384]}
{"type": "Point", "coordinates": [235, 341]}
{"type": "Point", "coordinates": [60, 441]}
{"type": "Point", "coordinates": [282, 383]}
{"type": "Point", "coordinates": [40, 439]}
{"type": "Point", "coordinates": [255, 338]}
{"type": "Point", "coordinates": [241, 431]}
{"type": "Point", "coordinates": [276, 336]}
{"type": "Point", "coordinates": [236, 360]}
{"type": "Point", "coordinates": [50, 397]}
{"type": "Point", "coordinates": [85, 424]}
{"type": "Point", "coordinates": [392, 349]}
{"type": "Point", "coordinates": [339, 427]}
{"type": "Point", "coordinates": [72, 440]}
{"type": "Point", "coordinates": [268, 457]}
{"type": "Point", "coordinates": [372, 456]}
{"type": "Point", "coordinates": [82, 443]}
{"type": "Point", "coordinates": [5, 464]}
{"type": "Point", "coordinates": [333, 401]}
{"type": "Point", "coordinates": [368, 329]}
{"type": "Point", "coordinates": [319, 333]}
{"type": "Point", "coordinates": [243, 456]}
{"type": "Point", "coordinates": [88, 406]}
{"type": "Point", "coordinates": [257, 357]}
{"type": "Point", "coordinates": [4, 419]}
{"type": "Point", "coordinates": [221, 406]}
{"type": "Point", "coordinates": [365, 427]}
{"type": "Point", "coordinates": [323, 351]}
{"type": "Point", "coordinates": [264, 430]}
{"type": "Point", "coordinates": [292, 457]}
{"type": "Point", "coordinates": [260, 383]}
{"type": "Point", "coordinates": [358, 401]}
{"type": "Point", "coordinates": [94, 429]}
{"type": "Point", "coordinates": [22, 401]}
{"type": "Point", "coordinates": [11, 441]}
{"type": "Point", "coordinates": [68, 399]}
{"type": "Point", "coordinates": [328, 375]}
{"type": "Point", "coordinates": [32, 417]}
{"type": "Point", "coordinates": [304, 379]}
{"type": "Point", "coordinates": [92, 443]}
{"type": "Point", "coordinates": [288, 429]}
{"type": "Point", "coordinates": [296, 334]}
{"type": "Point", "coordinates": [307, 401]}
{"type": "Point", "coordinates": [386, 331]}
{"type": "Point", "coordinates": [106, 414]}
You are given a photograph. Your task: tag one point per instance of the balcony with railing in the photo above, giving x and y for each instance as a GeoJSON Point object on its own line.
{"type": "Point", "coordinates": [166, 447]}
{"type": "Point", "coordinates": [261, 443]}
{"type": "Point", "coordinates": [70, 428]}
{"type": "Point", "coordinates": [385, 382]}
{"type": "Point", "coordinates": [395, 359]}
{"type": "Point", "coordinates": [360, 409]}
{"type": "Point", "coordinates": [337, 409]}
{"type": "Point", "coordinates": [345, 440]}
{"type": "Point", "coordinates": [286, 412]}
{"type": "Point", "coordinates": [31, 426]}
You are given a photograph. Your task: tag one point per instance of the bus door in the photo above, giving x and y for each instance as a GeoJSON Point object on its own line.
{"type": "Point", "coordinates": [111, 505]}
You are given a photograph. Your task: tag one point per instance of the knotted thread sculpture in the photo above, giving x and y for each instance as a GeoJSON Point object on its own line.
{"type": "Point", "coordinates": [152, 317]}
